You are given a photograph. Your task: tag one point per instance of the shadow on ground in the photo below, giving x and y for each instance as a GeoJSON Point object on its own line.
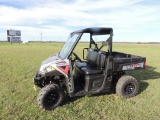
{"type": "Point", "coordinates": [143, 86]}
{"type": "Point", "coordinates": [69, 100]}
{"type": "Point", "coordinates": [147, 74]}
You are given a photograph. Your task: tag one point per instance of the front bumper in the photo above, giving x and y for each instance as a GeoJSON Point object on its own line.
{"type": "Point", "coordinates": [38, 79]}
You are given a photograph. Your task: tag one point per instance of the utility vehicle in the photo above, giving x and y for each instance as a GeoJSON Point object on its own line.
{"type": "Point", "coordinates": [100, 70]}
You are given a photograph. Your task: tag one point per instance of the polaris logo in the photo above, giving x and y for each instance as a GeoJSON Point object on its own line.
{"type": "Point", "coordinates": [128, 67]}
{"type": "Point", "coordinates": [133, 66]}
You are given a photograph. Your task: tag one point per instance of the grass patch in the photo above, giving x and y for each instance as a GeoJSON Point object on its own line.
{"type": "Point", "coordinates": [18, 100]}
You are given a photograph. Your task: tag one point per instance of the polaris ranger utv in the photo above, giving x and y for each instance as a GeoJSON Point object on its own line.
{"type": "Point", "coordinates": [66, 74]}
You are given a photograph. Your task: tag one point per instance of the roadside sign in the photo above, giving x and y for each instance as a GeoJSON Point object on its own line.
{"type": "Point", "coordinates": [14, 36]}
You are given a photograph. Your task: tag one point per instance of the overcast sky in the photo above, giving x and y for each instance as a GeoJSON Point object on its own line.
{"type": "Point", "coordinates": [131, 20]}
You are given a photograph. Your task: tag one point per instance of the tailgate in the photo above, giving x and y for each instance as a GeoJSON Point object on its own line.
{"type": "Point", "coordinates": [123, 64]}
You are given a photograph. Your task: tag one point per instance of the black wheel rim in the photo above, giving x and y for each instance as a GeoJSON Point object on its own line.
{"type": "Point", "coordinates": [51, 99]}
{"type": "Point", "coordinates": [129, 89]}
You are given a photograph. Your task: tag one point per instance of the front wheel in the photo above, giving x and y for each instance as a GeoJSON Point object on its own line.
{"type": "Point", "coordinates": [127, 86]}
{"type": "Point", "coordinates": [50, 97]}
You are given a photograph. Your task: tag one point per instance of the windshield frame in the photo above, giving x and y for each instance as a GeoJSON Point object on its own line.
{"type": "Point", "coordinates": [72, 47]}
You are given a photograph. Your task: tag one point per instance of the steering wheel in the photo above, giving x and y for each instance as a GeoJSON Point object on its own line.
{"type": "Point", "coordinates": [76, 57]}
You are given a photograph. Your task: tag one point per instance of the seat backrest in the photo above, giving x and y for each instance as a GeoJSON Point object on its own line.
{"type": "Point", "coordinates": [101, 59]}
{"type": "Point", "coordinates": [97, 58]}
{"type": "Point", "coordinates": [92, 55]}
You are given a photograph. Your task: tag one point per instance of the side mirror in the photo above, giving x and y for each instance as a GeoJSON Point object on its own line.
{"type": "Point", "coordinates": [70, 57]}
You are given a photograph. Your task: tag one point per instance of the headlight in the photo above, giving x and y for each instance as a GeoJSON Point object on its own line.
{"type": "Point", "coordinates": [50, 68]}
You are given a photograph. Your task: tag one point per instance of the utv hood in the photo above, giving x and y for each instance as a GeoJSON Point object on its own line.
{"type": "Point", "coordinates": [52, 58]}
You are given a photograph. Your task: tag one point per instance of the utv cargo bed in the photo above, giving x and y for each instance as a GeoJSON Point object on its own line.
{"type": "Point", "coordinates": [123, 61]}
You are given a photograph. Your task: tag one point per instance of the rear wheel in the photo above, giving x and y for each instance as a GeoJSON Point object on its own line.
{"type": "Point", "coordinates": [50, 97]}
{"type": "Point", "coordinates": [127, 86]}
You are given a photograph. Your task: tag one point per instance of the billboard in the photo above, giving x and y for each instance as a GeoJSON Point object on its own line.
{"type": "Point", "coordinates": [14, 36]}
{"type": "Point", "coordinates": [13, 33]}
{"type": "Point", "coordinates": [14, 39]}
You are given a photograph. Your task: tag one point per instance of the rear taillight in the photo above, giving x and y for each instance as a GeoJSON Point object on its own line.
{"type": "Point", "coordinates": [145, 64]}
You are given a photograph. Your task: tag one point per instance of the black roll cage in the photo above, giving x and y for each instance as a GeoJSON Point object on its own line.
{"type": "Point", "coordinates": [98, 31]}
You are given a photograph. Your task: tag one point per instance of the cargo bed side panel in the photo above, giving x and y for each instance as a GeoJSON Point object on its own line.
{"type": "Point", "coordinates": [123, 64]}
